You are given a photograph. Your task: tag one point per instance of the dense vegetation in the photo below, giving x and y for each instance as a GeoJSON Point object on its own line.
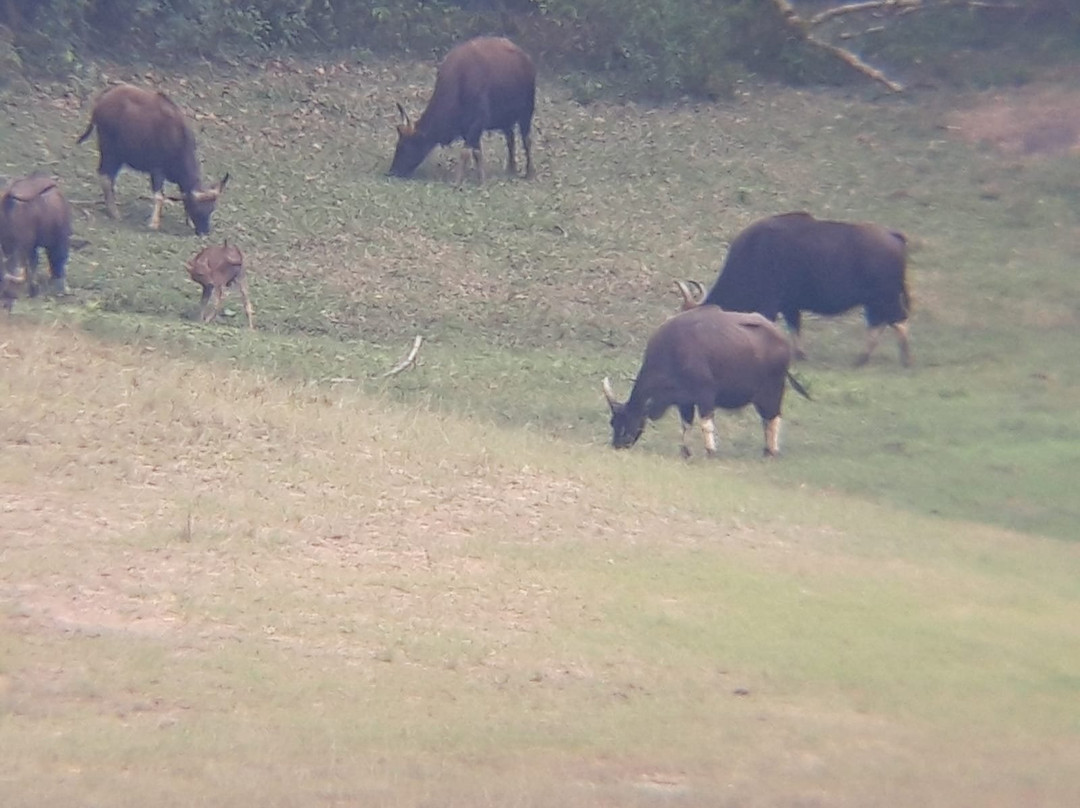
{"type": "Point", "coordinates": [654, 48]}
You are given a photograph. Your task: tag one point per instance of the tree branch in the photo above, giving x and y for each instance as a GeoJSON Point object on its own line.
{"type": "Point", "coordinates": [408, 361]}
{"type": "Point", "coordinates": [869, 5]}
{"type": "Point", "coordinates": [804, 28]}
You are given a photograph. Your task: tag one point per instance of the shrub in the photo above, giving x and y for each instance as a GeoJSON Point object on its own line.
{"type": "Point", "coordinates": [652, 48]}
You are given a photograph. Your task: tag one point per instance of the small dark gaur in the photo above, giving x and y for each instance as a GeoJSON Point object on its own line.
{"type": "Point", "coordinates": [791, 263]}
{"type": "Point", "coordinates": [147, 131]}
{"type": "Point", "coordinates": [34, 215]}
{"type": "Point", "coordinates": [214, 268]}
{"type": "Point", "coordinates": [485, 84]}
{"type": "Point", "coordinates": [702, 359]}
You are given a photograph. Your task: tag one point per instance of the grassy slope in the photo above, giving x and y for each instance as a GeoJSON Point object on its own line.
{"type": "Point", "coordinates": [497, 610]}
{"type": "Point", "coordinates": [545, 287]}
{"type": "Point", "coordinates": [206, 600]}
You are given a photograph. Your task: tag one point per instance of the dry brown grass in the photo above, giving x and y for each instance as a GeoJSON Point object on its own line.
{"type": "Point", "coordinates": [1029, 121]}
{"type": "Point", "coordinates": [224, 589]}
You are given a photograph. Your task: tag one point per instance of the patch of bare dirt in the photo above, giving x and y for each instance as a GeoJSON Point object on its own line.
{"type": "Point", "coordinates": [1039, 121]}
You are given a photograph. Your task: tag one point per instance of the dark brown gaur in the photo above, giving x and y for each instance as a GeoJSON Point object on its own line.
{"type": "Point", "coordinates": [215, 268]}
{"type": "Point", "coordinates": [702, 359]}
{"type": "Point", "coordinates": [147, 131]}
{"type": "Point", "coordinates": [791, 263]}
{"type": "Point", "coordinates": [482, 85]}
{"type": "Point", "coordinates": [34, 215]}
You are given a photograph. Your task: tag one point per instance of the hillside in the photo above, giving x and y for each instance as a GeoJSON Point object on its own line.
{"type": "Point", "coordinates": [245, 568]}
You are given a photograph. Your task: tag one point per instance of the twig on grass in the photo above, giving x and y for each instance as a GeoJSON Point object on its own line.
{"type": "Point", "coordinates": [408, 361]}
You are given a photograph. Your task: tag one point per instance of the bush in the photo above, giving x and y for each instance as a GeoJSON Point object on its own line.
{"type": "Point", "coordinates": [652, 48]}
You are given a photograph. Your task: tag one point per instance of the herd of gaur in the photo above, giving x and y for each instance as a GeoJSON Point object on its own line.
{"type": "Point", "coordinates": [723, 350]}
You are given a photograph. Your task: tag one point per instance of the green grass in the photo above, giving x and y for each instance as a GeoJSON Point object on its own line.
{"type": "Point", "coordinates": [529, 293]}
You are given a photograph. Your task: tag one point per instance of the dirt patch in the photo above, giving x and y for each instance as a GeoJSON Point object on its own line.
{"type": "Point", "coordinates": [1028, 121]}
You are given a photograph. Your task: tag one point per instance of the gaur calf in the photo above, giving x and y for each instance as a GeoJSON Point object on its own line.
{"type": "Point", "coordinates": [34, 215]}
{"type": "Point", "coordinates": [215, 268]}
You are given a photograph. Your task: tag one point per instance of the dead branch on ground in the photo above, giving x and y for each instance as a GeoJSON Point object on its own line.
{"type": "Point", "coordinates": [804, 26]}
{"type": "Point", "coordinates": [408, 361]}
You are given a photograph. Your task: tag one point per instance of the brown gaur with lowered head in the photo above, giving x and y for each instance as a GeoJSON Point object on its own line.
{"type": "Point", "coordinates": [146, 131]}
{"type": "Point", "coordinates": [702, 359]}
{"type": "Point", "coordinates": [484, 84]}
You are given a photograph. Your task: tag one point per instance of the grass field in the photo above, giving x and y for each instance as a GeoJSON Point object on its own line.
{"type": "Point", "coordinates": [244, 568]}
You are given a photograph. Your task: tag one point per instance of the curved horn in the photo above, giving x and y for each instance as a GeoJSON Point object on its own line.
{"type": "Point", "coordinates": [699, 293]}
{"type": "Point", "coordinates": [609, 394]}
{"type": "Point", "coordinates": [404, 115]}
{"type": "Point", "coordinates": [690, 299]}
{"type": "Point", "coordinates": [209, 194]}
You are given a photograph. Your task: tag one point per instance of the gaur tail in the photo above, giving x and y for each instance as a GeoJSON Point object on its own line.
{"type": "Point", "coordinates": [86, 134]}
{"type": "Point", "coordinates": [798, 387]}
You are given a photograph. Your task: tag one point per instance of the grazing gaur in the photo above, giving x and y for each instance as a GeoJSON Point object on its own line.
{"type": "Point", "coordinates": [147, 131]}
{"type": "Point", "coordinates": [33, 215]}
{"type": "Point", "coordinates": [214, 268]}
{"type": "Point", "coordinates": [706, 358]}
{"type": "Point", "coordinates": [485, 84]}
{"type": "Point", "coordinates": [787, 264]}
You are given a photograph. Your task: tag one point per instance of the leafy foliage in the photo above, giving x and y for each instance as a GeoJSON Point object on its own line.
{"type": "Point", "coordinates": [646, 48]}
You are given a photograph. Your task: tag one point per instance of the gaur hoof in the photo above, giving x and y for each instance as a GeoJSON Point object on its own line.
{"type": "Point", "coordinates": [862, 359]}
{"type": "Point", "coordinates": [685, 452]}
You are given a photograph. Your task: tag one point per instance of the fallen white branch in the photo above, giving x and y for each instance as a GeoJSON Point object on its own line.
{"type": "Point", "coordinates": [408, 361]}
{"type": "Point", "coordinates": [869, 5]}
{"type": "Point", "coordinates": [905, 7]}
